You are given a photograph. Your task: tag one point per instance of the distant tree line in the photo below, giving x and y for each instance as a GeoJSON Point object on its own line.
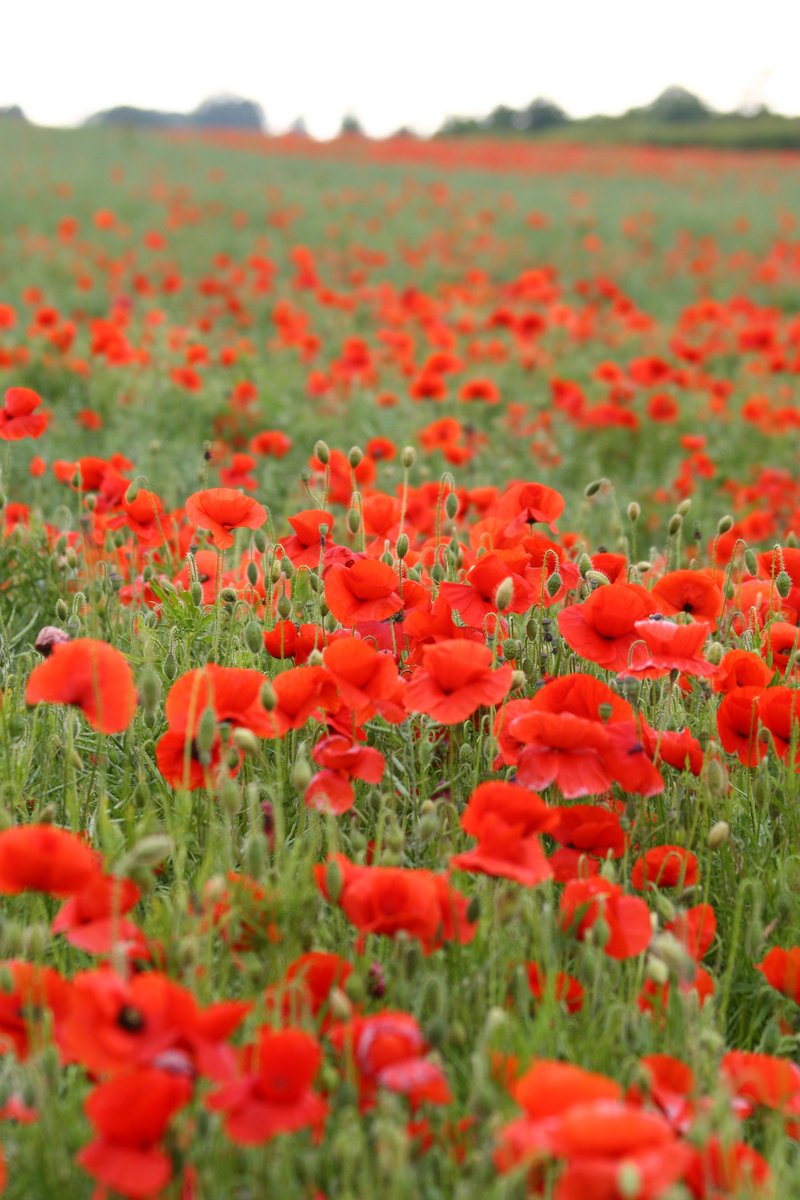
{"type": "Point", "coordinates": [218, 112]}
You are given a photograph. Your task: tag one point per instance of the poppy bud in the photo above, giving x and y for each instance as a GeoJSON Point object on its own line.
{"type": "Point", "coordinates": [253, 637]}
{"type": "Point", "coordinates": [718, 834]}
{"type": "Point", "coordinates": [629, 1181]}
{"type": "Point", "coordinates": [354, 520]}
{"type": "Point", "coordinates": [634, 512]}
{"type": "Point", "coordinates": [676, 958]}
{"type": "Point", "coordinates": [714, 653]}
{"type": "Point", "coordinates": [753, 936]}
{"type": "Point", "coordinates": [593, 488]}
{"type": "Point", "coordinates": [301, 773]}
{"type": "Point", "coordinates": [245, 739]}
{"type": "Point", "coordinates": [251, 571]}
{"type": "Point", "coordinates": [338, 999]}
{"type": "Point", "coordinates": [675, 525]}
{"type": "Point", "coordinates": [284, 606]}
{"type": "Point", "coordinates": [255, 853]}
{"type": "Point", "coordinates": [355, 456]}
{"type": "Point", "coordinates": [599, 933]}
{"type": "Point", "coordinates": [333, 880]}
{"type": "Point", "coordinates": [428, 826]}
{"type": "Point", "coordinates": [408, 457]}
{"type": "Point", "coordinates": [61, 610]}
{"type": "Point", "coordinates": [132, 492]}
{"type": "Point", "coordinates": [229, 795]}
{"type": "Point", "coordinates": [553, 585]}
{"type": "Point", "coordinates": [783, 584]}
{"type": "Point", "coordinates": [73, 626]}
{"type": "Point", "coordinates": [149, 851]}
{"type": "Point", "coordinates": [267, 696]}
{"type": "Point", "coordinates": [149, 688]}
{"type": "Point", "coordinates": [196, 593]}
{"type": "Point", "coordinates": [451, 505]}
{"type": "Point", "coordinates": [751, 562]}
{"type": "Point", "coordinates": [474, 910]}
{"type": "Point", "coordinates": [609, 871]}
{"type": "Point", "coordinates": [504, 594]}
{"type": "Point", "coordinates": [725, 524]}
{"type": "Point", "coordinates": [170, 665]}
{"type": "Point", "coordinates": [685, 507]}
{"type": "Point", "coordinates": [322, 452]}
{"type": "Point", "coordinates": [395, 838]}
{"type": "Point", "coordinates": [259, 540]}
{"type": "Point", "coordinates": [664, 907]}
{"type": "Point", "coordinates": [229, 595]}
{"type": "Point", "coordinates": [402, 546]}
{"type": "Point", "coordinates": [517, 681]}
{"type": "Point", "coordinates": [728, 590]}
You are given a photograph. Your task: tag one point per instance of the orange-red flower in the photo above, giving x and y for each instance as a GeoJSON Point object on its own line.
{"type": "Point", "coordinates": [44, 858]}
{"type": "Point", "coordinates": [90, 675]}
{"type": "Point", "coordinates": [455, 679]}
{"type": "Point", "coordinates": [221, 510]}
{"type": "Point", "coordinates": [18, 416]}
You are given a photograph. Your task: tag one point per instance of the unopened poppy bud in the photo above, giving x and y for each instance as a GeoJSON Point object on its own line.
{"type": "Point", "coordinates": [599, 933]}
{"type": "Point", "coordinates": [675, 525]}
{"type": "Point", "coordinates": [685, 507]}
{"type": "Point", "coordinates": [584, 565]}
{"type": "Point", "coordinates": [48, 637]}
{"type": "Point", "coordinates": [253, 637]}
{"type": "Point", "coordinates": [753, 936]}
{"type": "Point", "coordinates": [664, 907]}
{"type": "Point", "coordinates": [267, 696]}
{"type": "Point", "coordinates": [674, 955]}
{"type": "Point", "coordinates": [609, 871]}
{"type": "Point", "coordinates": [246, 740]}
{"type": "Point", "coordinates": [322, 452]}
{"type": "Point", "coordinates": [437, 572]}
{"type": "Point", "coordinates": [750, 561]}
{"type": "Point", "coordinates": [428, 826]}
{"type": "Point", "coordinates": [605, 711]}
{"type": "Point", "coordinates": [196, 593]}
{"type": "Point", "coordinates": [629, 1181]}
{"type": "Point", "coordinates": [402, 546]}
{"type": "Point", "coordinates": [170, 665]}
{"type": "Point", "coordinates": [354, 520]}
{"type": "Point", "coordinates": [149, 688]}
{"type": "Point", "coordinates": [149, 851]}
{"type": "Point", "coordinates": [504, 594]}
{"type": "Point", "coordinates": [255, 854]}
{"type": "Point", "coordinates": [35, 940]}
{"type": "Point", "coordinates": [517, 681]}
{"type": "Point", "coordinates": [634, 512]}
{"type": "Point", "coordinates": [229, 595]}
{"type": "Point", "coordinates": [315, 659]}
{"type": "Point", "coordinates": [229, 795]}
{"type": "Point", "coordinates": [474, 910]}
{"type": "Point", "coordinates": [395, 838]}
{"type": "Point", "coordinates": [287, 567]}
{"type": "Point", "coordinates": [251, 571]}
{"type": "Point", "coordinates": [259, 540]}
{"type": "Point", "coordinates": [73, 625]}
{"type": "Point", "coordinates": [593, 488]}
{"type": "Point", "coordinates": [714, 653]}
{"type": "Point", "coordinates": [597, 579]}
{"type": "Point", "coordinates": [408, 457]}
{"type": "Point", "coordinates": [284, 606]}
{"type": "Point", "coordinates": [206, 732]}
{"type": "Point", "coordinates": [301, 773]}
{"type": "Point", "coordinates": [725, 524]}
{"type": "Point", "coordinates": [783, 584]}
{"type": "Point", "coordinates": [451, 505]}
{"type": "Point", "coordinates": [341, 1008]}
{"type": "Point", "coordinates": [333, 880]}
{"type": "Point", "coordinates": [718, 834]}
{"type": "Point", "coordinates": [90, 502]}
{"type": "Point", "coordinates": [355, 456]}
{"type": "Point", "coordinates": [61, 610]}
{"type": "Point", "coordinates": [553, 585]}
{"type": "Point", "coordinates": [132, 492]}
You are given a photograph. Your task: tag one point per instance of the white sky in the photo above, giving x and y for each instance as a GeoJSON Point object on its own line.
{"type": "Point", "coordinates": [393, 62]}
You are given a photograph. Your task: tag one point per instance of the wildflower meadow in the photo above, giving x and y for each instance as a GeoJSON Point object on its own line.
{"type": "Point", "coordinates": [399, 631]}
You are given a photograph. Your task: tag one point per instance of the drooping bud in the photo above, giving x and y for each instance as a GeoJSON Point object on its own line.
{"type": "Point", "coordinates": [322, 452]}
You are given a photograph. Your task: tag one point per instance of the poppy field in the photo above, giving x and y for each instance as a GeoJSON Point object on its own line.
{"type": "Point", "coordinates": [400, 617]}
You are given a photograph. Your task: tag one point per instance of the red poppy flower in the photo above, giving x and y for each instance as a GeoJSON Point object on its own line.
{"type": "Point", "coordinates": [30, 991]}
{"type": "Point", "coordinates": [741, 668]}
{"type": "Point", "coordinates": [603, 628]}
{"type": "Point", "coordinates": [274, 1093]}
{"type": "Point", "coordinates": [455, 679]}
{"type": "Point", "coordinates": [307, 544]}
{"type": "Point", "coordinates": [389, 1051]}
{"type": "Point", "coordinates": [525, 504]}
{"type": "Point", "coordinates": [687, 591]}
{"type": "Point", "coordinates": [270, 442]}
{"type": "Point", "coordinates": [385, 900]}
{"type": "Point", "coordinates": [665, 866]}
{"type": "Point", "coordinates": [131, 1113]}
{"type": "Point", "coordinates": [18, 417]}
{"type": "Point", "coordinates": [506, 820]}
{"type": "Point", "coordinates": [565, 988]}
{"type": "Point", "coordinates": [307, 986]}
{"type": "Point", "coordinates": [342, 761]}
{"type": "Point", "coordinates": [627, 918]}
{"type": "Point", "coordinates": [367, 590]}
{"type": "Point", "coordinates": [287, 640]}
{"type": "Point", "coordinates": [477, 598]}
{"type": "Point", "coordinates": [299, 692]}
{"type": "Point", "coordinates": [761, 1078]}
{"type": "Point", "coordinates": [90, 675]}
{"type": "Point", "coordinates": [737, 725]}
{"type": "Point", "coordinates": [779, 712]}
{"type": "Point", "coordinates": [44, 858]}
{"type": "Point", "coordinates": [367, 679]}
{"type": "Point", "coordinates": [781, 969]}
{"type": "Point", "coordinates": [663, 646]}
{"type": "Point", "coordinates": [93, 919]}
{"type": "Point", "coordinates": [221, 510]}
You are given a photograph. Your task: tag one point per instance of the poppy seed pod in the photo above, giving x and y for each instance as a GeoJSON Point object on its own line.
{"type": "Point", "coordinates": [593, 488]}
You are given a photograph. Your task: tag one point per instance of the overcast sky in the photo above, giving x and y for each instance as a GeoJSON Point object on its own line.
{"type": "Point", "coordinates": [393, 63]}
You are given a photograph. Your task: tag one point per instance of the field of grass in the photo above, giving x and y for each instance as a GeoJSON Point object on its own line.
{"type": "Point", "coordinates": [419, 813]}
